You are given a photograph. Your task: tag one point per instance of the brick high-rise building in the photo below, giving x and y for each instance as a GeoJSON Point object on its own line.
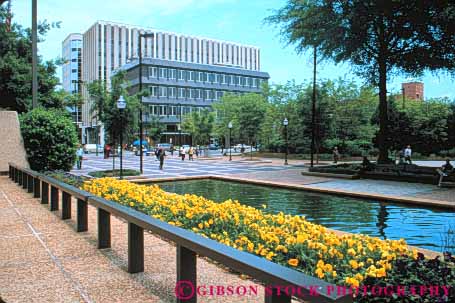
{"type": "Point", "coordinates": [413, 90]}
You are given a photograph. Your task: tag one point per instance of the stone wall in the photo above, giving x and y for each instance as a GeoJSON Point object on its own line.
{"type": "Point", "coordinates": [11, 143]}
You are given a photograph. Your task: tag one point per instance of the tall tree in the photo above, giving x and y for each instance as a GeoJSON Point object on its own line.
{"type": "Point", "coordinates": [105, 109]}
{"type": "Point", "coordinates": [377, 37]}
{"type": "Point", "coordinates": [15, 67]}
{"type": "Point", "coordinates": [200, 126]}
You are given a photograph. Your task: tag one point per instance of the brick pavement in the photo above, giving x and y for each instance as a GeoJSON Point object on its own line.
{"type": "Point", "coordinates": [43, 259]}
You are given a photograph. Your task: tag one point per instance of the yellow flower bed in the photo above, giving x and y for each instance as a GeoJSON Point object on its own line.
{"type": "Point", "coordinates": [284, 239]}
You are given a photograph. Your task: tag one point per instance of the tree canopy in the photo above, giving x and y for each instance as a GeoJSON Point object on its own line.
{"type": "Point", "coordinates": [16, 68]}
{"type": "Point", "coordinates": [104, 107]}
{"type": "Point", "coordinates": [378, 38]}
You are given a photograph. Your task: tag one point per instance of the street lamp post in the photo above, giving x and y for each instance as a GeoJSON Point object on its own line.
{"type": "Point", "coordinates": [141, 123]}
{"type": "Point", "coordinates": [285, 123]}
{"type": "Point", "coordinates": [180, 134]}
{"type": "Point", "coordinates": [230, 147]}
{"type": "Point", "coordinates": [121, 104]}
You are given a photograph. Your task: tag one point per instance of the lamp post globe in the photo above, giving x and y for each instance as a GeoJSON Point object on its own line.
{"type": "Point", "coordinates": [121, 105]}
{"type": "Point", "coordinates": [230, 147]}
{"type": "Point", "coordinates": [285, 124]}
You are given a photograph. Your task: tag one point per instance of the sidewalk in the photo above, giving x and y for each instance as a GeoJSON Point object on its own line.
{"type": "Point", "coordinates": [43, 259]}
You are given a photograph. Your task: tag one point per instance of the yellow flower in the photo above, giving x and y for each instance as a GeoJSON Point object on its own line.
{"type": "Point", "coordinates": [354, 264]}
{"type": "Point", "coordinates": [293, 262]}
{"type": "Point", "coordinates": [319, 273]}
{"type": "Point", "coordinates": [200, 225]}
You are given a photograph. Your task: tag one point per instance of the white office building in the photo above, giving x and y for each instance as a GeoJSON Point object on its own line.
{"type": "Point", "coordinates": [109, 45]}
{"type": "Point", "coordinates": [71, 69]}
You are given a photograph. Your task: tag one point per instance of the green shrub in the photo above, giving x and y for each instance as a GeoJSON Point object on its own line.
{"type": "Point", "coordinates": [108, 173]}
{"type": "Point", "coordinates": [50, 139]}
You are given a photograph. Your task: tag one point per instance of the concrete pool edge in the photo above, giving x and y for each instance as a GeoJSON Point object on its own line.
{"type": "Point", "coordinates": [426, 252]}
{"type": "Point", "coordinates": [371, 196]}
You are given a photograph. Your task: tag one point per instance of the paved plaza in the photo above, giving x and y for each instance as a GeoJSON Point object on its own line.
{"type": "Point", "coordinates": [268, 170]}
{"type": "Point", "coordinates": [43, 259]}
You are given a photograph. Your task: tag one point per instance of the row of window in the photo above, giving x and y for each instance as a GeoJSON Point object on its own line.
{"type": "Point", "coordinates": [187, 93]}
{"type": "Point", "coordinates": [169, 110]}
{"type": "Point", "coordinates": [204, 77]}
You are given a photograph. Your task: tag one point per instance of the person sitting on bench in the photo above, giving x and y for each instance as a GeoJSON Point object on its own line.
{"type": "Point", "coordinates": [444, 171]}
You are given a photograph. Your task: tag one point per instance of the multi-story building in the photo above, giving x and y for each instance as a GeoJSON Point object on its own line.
{"type": "Point", "coordinates": [413, 90]}
{"type": "Point", "coordinates": [109, 46]}
{"type": "Point", "coordinates": [178, 88]}
{"type": "Point", "coordinates": [71, 70]}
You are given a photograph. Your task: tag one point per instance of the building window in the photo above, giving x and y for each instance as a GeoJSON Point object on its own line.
{"type": "Point", "coordinates": [199, 93]}
{"type": "Point", "coordinates": [163, 72]}
{"type": "Point", "coordinates": [154, 91]}
{"type": "Point", "coordinates": [211, 77]}
{"type": "Point", "coordinates": [172, 92]}
{"type": "Point", "coordinates": [254, 82]}
{"type": "Point", "coordinates": [181, 93]}
{"type": "Point", "coordinates": [190, 75]}
{"type": "Point", "coordinates": [163, 91]}
{"type": "Point", "coordinates": [219, 78]}
{"type": "Point", "coordinates": [172, 74]}
{"type": "Point", "coordinates": [219, 95]}
{"type": "Point", "coordinates": [228, 79]}
{"type": "Point", "coordinates": [181, 74]}
{"type": "Point", "coordinates": [207, 95]}
{"type": "Point", "coordinates": [153, 72]}
{"type": "Point", "coordinates": [203, 77]}
{"type": "Point", "coordinates": [212, 95]}
{"type": "Point", "coordinates": [196, 76]}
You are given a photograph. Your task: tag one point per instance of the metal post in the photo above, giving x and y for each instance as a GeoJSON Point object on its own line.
{"type": "Point", "coordinates": [135, 248]}
{"type": "Point", "coordinates": [44, 192]}
{"type": "Point", "coordinates": [313, 108]}
{"type": "Point", "coordinates": [34, 54]}
{"type": "Point", "coordinates": [24, 179]}
{"type": "Point", "coordinates": [30, 183]}
{"type": "Point", "coordinates": [82, 215]}
{"type": "Point", "coordinates": [19, 180]}
{"type": "Point", "coordinates": [54, 198]}
{"type": "Point", "coordinates": [104, 229]}
{"type": "Point", "coordinates": [287, 145]}
{"type": "Point", "coordinates": [121, 148]}
{"type": "Point", "coordinates": [66, 206]}
{"type": "Point", "coordinates": [186, 271]}
{"type": "Point", "coordinates": [141, 123]}
{"type": "Point", "coordinates": [230, 146]}
{"type": "Point", "coordinates": [36, 188]}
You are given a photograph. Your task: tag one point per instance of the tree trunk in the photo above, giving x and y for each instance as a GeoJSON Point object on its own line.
{"type": "Point", "coordinates": [383, 118]}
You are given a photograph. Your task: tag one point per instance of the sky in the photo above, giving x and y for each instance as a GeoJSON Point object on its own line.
{"type": "Point", "coordinates": [233, 20]}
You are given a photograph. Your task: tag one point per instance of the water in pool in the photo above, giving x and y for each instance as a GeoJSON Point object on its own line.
{"type": "Point", "coordinates": [423, 227]}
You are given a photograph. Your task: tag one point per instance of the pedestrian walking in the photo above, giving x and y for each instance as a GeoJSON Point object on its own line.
{"type": "Point", "coordinates": [172, 150]}
{"type": "Point", "coordinates": [408, 154]}
{"type": "Point", "coordinates": [162, 154]}
{"type": "Point", "coordinates": [190, 154]}
{"type": "Point", "coordinates": [182, 153]}
{"type": "Point", "coordinates": [336, 155]}
{"type": "Point", "coordinates": [79, 155]}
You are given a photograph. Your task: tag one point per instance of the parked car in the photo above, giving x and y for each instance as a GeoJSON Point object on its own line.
{"type": "Point", "coordinates": [165, 146]}
{"type": "Point", "coordinates": [213, 146]}
{"type": "Point", "coordinates": [91, 148]}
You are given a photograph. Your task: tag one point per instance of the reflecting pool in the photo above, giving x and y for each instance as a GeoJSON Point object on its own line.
{"type": "Point", "coordinates": [419, 226]}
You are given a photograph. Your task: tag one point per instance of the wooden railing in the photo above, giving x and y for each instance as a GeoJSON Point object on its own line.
{"type": "Point", "coordinates": [189, 244]}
